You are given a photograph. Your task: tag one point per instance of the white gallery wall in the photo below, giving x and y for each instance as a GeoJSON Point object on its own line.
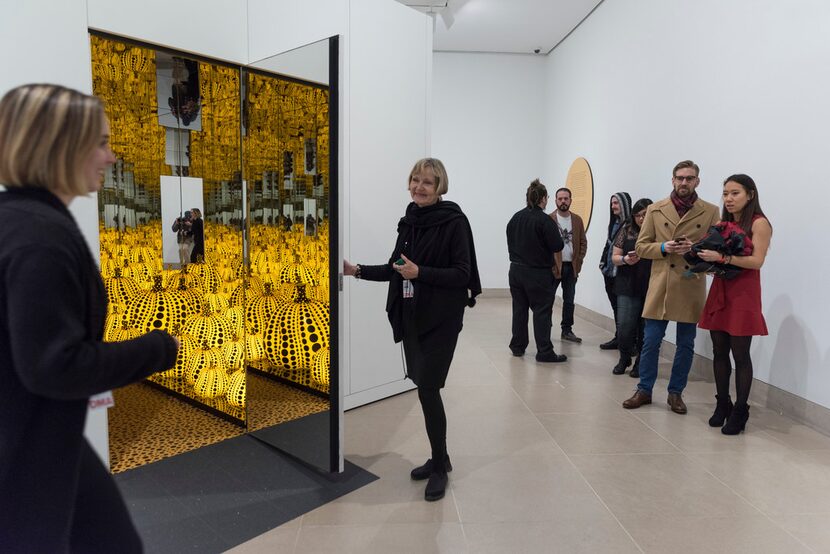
{"type": "Point", "coordinates": [739, 87]}
{"type": "Point", "coordinates": [376, 91]}
{"type": "Point", "coordinates": [488, 129]}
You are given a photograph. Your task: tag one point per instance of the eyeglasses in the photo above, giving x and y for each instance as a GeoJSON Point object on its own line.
{"type": "Point", "coordinates": [640, 215]}
{"type": "Point", "coordinates": [681, 178]}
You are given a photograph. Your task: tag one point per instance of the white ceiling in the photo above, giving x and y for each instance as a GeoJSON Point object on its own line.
{"type": "Point", "coordinates": [517, 26]}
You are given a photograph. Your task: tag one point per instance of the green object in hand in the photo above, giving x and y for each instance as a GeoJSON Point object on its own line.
{"type": "Point", "coordinates": [399, 261]}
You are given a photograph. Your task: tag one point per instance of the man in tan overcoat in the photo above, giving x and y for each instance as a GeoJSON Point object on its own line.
{"type": "Point", "coordinates": [670, 228]}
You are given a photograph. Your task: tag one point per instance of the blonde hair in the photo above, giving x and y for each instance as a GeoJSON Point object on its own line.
{"type": "Point", "coordinates": [441, 180]}
{"type": "Point", "coordinates": [47, 132]}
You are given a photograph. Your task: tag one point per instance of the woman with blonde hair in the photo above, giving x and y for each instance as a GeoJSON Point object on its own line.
{"type": "Point", "coordinates": [55, 494]}
{"type": "Point", "coordinates": [430, 271]}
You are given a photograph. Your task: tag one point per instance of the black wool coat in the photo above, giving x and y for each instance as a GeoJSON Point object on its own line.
{"type": "Point", "coordinates": [52, 359]}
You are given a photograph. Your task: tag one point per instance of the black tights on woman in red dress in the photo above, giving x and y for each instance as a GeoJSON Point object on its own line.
{"type": "Point", "coordinates": [723, 343]}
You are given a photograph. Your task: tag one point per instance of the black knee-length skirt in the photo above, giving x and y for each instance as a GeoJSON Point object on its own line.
{"type": "Point", "coordinates": [429, 355]}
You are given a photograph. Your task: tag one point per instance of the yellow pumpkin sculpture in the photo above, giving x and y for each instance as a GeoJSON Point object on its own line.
{"type": "Point", "coordinates": [320, 370]}
{"type": "Point", "coordinates": [211, 383]}
{"type": "Point", "coordinates": [236, 389]}
{"type": "Point", "coordinates": [294, 335]}
{"type": "Point", "coordinates": [157, 308]}
{"type": "Point", "coordinates": [204, 357]}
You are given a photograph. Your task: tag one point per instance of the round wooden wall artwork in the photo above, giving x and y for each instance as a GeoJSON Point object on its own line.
{"type": "Point", "coordinates": [581, 183]}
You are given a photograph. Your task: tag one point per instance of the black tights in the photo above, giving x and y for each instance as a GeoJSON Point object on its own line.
{"type": "Point", "coordinates": [723, 342]}
{"type": "Point", "coordinates": [435, 420]}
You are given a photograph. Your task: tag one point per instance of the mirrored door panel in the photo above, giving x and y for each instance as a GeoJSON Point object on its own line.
{"type": "Point", "coordinates": [170, 215]}
{"type": "Point", "coordinates": [287, 165]}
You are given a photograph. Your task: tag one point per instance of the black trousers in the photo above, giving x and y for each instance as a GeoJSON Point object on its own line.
{"type": "Point", "coordinates": [568, 281]}
{"type": "Point", "coordinates": [531, 288]}
{"type": "Point", "coordinates": [612, 297]}
{"type": "Point", "coordinates": [435, 420]}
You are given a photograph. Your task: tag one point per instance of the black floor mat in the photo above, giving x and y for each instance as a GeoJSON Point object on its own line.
{"type": "Point", "coordinates": [219, 496]}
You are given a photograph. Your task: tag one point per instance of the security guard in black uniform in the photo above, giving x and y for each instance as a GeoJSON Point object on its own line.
{"type": "Point", "coordinates": [532, 239]}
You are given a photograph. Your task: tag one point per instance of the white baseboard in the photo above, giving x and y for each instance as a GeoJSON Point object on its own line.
{"type": "Point", "coordinates": [763, 394]}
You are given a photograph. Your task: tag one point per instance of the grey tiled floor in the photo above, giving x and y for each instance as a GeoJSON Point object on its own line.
{"type": "Point", "coordinates": [546, 460]}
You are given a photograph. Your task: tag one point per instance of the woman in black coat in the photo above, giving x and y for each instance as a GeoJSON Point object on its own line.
{"type": "Point", "coordinates": [630, 286]}
{"type": "Point", "coordinates": [55, 494]}
{"type": "Point", "coordinates": [431, 270]}
{"type": "Point", "coordinates": [197, 232]}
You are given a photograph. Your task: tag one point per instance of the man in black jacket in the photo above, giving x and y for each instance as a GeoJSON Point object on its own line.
{"type": "Point", "coordinates": [532, 240]}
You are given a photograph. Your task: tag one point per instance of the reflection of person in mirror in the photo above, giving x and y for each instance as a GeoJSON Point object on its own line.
{"type": "Point", "coordinates": [184, 236]}
{"type": "Point", "coordinates": [431, 270]}
{"type": "Point", "coordinates": [184, 93]}
{"type": "Point", "coordinates": [310, 225]}
{"type": "Point", "coordinates": [55, 491]}
{"type": "Point", "coordinates": [197, 230]}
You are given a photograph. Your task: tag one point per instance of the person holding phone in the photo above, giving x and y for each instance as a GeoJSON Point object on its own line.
{"type": "Point", "coordinates": [433, 277]}
{"type": "Point", "coordinates": [670, 227]}
{"type": "Point", "coordinates": [630, 286]}
{"type": "Point", "coordinates": [184, 237]}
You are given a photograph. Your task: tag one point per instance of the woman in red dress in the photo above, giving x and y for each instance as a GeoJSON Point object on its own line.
{"type": "Point", "coordinates": [733, 308]}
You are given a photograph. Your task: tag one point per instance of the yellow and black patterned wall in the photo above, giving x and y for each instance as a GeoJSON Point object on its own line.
{"type": "Point", "coordinates": [259, 297]}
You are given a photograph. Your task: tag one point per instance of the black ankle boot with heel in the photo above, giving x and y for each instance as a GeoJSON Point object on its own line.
{"type": "Point", "coordinates": [737, 420]}
{"type": "Point", "coordinates": [436, 486]}
{"type": "Point", "coordinates": [722, 411]}
{"type": "Point", "coordinates": [423, 472]}
{"type": "Point", "coordinates": [621, 366]}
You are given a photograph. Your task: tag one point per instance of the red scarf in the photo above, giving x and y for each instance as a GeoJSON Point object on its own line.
{"type": "Point", "coordinates": [683, 205]}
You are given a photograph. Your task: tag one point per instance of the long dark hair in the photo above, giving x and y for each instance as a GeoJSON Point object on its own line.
{"type": "Point", "coordinates": [753, 206]}
{"type": "Point", "coordinates": [638, 206]}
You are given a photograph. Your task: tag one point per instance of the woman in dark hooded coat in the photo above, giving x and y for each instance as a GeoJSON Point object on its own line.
{"type": "Point", "coordinates": [433, 276]}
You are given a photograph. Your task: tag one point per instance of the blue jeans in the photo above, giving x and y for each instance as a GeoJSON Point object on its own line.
{"type": "Point", "coordinates": [654, 332]}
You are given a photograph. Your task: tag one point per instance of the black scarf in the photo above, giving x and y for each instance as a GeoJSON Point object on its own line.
{"type": "Point", "coordinates": [422, 247]}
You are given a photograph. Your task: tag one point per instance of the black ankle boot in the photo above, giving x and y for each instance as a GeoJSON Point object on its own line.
{"type": "Point", "coordinates": [722, 411]}
{"type": "Point", "coordinates": [737, 420]}
{"type": "Point", "coordinates": [436, 486]}
{"type": "Point", "coordinates": [624, 362]}
{"type": "Point", "coordinates": [423, 472]}
{"type": "Point", "coordinates": [635, 371]}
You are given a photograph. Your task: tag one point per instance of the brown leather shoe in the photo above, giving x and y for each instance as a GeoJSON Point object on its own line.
{"type": "Point", "coordinates": [676, 404]}
{"type": "Point", "coordinates": [640, 398]}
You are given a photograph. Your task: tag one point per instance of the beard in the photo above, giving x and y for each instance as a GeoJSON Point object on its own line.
{"type": "Point", "coordinates": [563, 207]}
